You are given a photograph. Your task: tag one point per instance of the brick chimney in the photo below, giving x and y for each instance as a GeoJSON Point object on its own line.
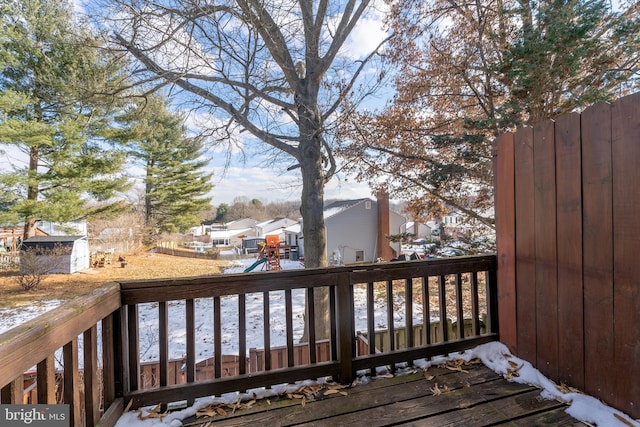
{"type": "Point", "coordinates": [385, 251]}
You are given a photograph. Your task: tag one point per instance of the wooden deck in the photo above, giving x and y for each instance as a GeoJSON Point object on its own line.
{"type": "Point", "coordinates": [438, 397]}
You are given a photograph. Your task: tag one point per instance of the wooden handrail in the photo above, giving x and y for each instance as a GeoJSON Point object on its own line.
{"type": "Point", "coordinates": [31, 342]}
{"type": "Point", "coordinates": [35, 342]}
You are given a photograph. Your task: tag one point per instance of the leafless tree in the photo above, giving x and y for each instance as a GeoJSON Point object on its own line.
{"type": "Point", "coordinates": [275, 70]}
{"type": "Point", "coordinates": [36, 263]}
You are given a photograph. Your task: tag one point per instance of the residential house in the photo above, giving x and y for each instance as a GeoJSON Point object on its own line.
{"type": "Point", "coordinates": [357, 230]}
{"type": "Point", "coordinates": [418, 229]}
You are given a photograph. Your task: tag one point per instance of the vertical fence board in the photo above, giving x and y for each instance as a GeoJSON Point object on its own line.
{"type": "Point", "coordinates": [597, 229]}
{"type": "Point", "coordinates": [505, 229]}
{"type": "Point", "coordinates": [544, 171]}
{"type": "Point", "coordinates": [525, 245]}
{"type": "Point", "coordinates": [626, 234]}
{"type": "Point", "coordinates": [569, 237]}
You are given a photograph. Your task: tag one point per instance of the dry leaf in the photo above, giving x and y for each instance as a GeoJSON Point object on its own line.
{"type": "Point", "coordinates": [206, 412]}
{"type": "Point", "coordinates": [455, 365]}
{"type": "Point", "coordinates": [622, 420]}
{"type": "Point", "coordinates": [344, 393]}
{"type": "Point", "coordinates": [435, 390]}
{"type": "Point", "coordinates": [331, 391]}
{"type": "Point", "coordinates": [128, 406]}
{"type": "Point", "coordinates": [303, 402]}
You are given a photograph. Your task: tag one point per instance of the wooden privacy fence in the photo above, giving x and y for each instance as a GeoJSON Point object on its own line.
{"type": "Point", "coordinates": [568, 230]}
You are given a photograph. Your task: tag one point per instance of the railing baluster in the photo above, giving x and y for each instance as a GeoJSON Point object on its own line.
{"type": "Point", "coordinates": [491, 279]}
{"type": "Point", "coordinates": [311, 325]}
{"type": "Point", "coordinates": [267, 331]}
{"type": "Point", "coordinates": [163, 341]}
{"type": "Point", "coordinates": [191, 339]}
{"type": "Point", "coordinates": [217, 334]}
{"type": "Point", "coordinates": [289, 326]}
{"type": "Point", "coordinates": [91, 381]}
{"type": "Point", "coordinates": [134, 347]}
{"type": "Point", "coordinates": [459, 307]}
{"type": "Point", "coordinates": [442, 302]}
{"type": "Point", "coordinates": [333, 319]}
{"type": "Point", "coordinates": [46, 379]}
{"type": "Point", "coordinates": [13, 392]}
{"type": "Point", "coordinates": [71, 394]}
{"type": "Point", "coordinates": [371, 321]}
{"type": "Point", "coordinates": [108, 362]}
{"type": "Point", "coordinates": [475, 316]}
{"type": "Point", "coordinates": [390, 325]}
{"type": "Point", "coordinates": [426, 312]}
{"type": "Point", "coordinates": [408, 300]}
{"type": "Point", "coordinates": [242, 334]}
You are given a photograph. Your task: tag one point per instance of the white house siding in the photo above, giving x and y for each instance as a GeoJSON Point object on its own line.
{"type": "Point", "coordinates": [352, 232]}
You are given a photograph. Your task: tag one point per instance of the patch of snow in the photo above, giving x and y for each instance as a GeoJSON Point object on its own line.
{"type": "Point", "coordinates": [14, 316]}
{"type": "Point", "coordinates": [494, 355]}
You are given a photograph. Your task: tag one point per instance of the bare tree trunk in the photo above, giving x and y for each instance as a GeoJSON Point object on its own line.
{"type": "Point", "coordinates": [312, 206]}
{"type": "Point", "coordinates": [32, 193]}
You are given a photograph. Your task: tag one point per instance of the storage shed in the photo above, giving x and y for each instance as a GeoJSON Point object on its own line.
{"type": "Point", "coordinates": [64, 254]}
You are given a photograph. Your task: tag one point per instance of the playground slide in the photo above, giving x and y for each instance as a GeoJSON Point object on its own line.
{"type": "Point", "coordinates": [255, 264]}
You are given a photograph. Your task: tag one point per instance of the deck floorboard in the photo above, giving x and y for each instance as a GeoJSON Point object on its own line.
{"type": "Point", "coordinates": [473, 397]}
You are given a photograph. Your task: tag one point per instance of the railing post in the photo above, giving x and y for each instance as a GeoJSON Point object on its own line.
{"type": "Point", "coordinates": [345, 326]}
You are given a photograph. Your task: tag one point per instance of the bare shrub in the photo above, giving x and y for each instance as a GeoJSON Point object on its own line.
{"type": "Point", "coordinates": [37, 262]}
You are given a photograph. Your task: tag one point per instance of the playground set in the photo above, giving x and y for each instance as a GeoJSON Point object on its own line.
{"type": "Point", "coordinates": [269, 255]}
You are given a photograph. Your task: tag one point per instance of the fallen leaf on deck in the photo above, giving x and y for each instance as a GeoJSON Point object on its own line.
{"type": "Point", "coordinates": [455, 365]}
{"type": "Point", "coordinates": [622, 420]}
{"type": "Point", "coordinates": [435, 390]}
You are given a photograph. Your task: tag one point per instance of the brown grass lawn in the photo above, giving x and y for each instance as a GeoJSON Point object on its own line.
{"type": "Point", "coordinates": [141, 265]}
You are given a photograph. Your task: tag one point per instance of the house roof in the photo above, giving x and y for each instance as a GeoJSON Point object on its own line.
{"type": "Point", "coordinates": [53, 239]}
{"type": "Point", "coordinates": [225, 234]}
{"type": "Point", "coordinates": [341, 205]}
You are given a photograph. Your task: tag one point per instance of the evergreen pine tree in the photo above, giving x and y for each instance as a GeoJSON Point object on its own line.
{"type": "Point", "coordinates": [50, 71]}
{"type": "Point", "coordinates": [176, 184]}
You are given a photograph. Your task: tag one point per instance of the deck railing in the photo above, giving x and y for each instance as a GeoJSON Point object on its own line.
{"type": "Point", "coordinates": [415, 296]}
